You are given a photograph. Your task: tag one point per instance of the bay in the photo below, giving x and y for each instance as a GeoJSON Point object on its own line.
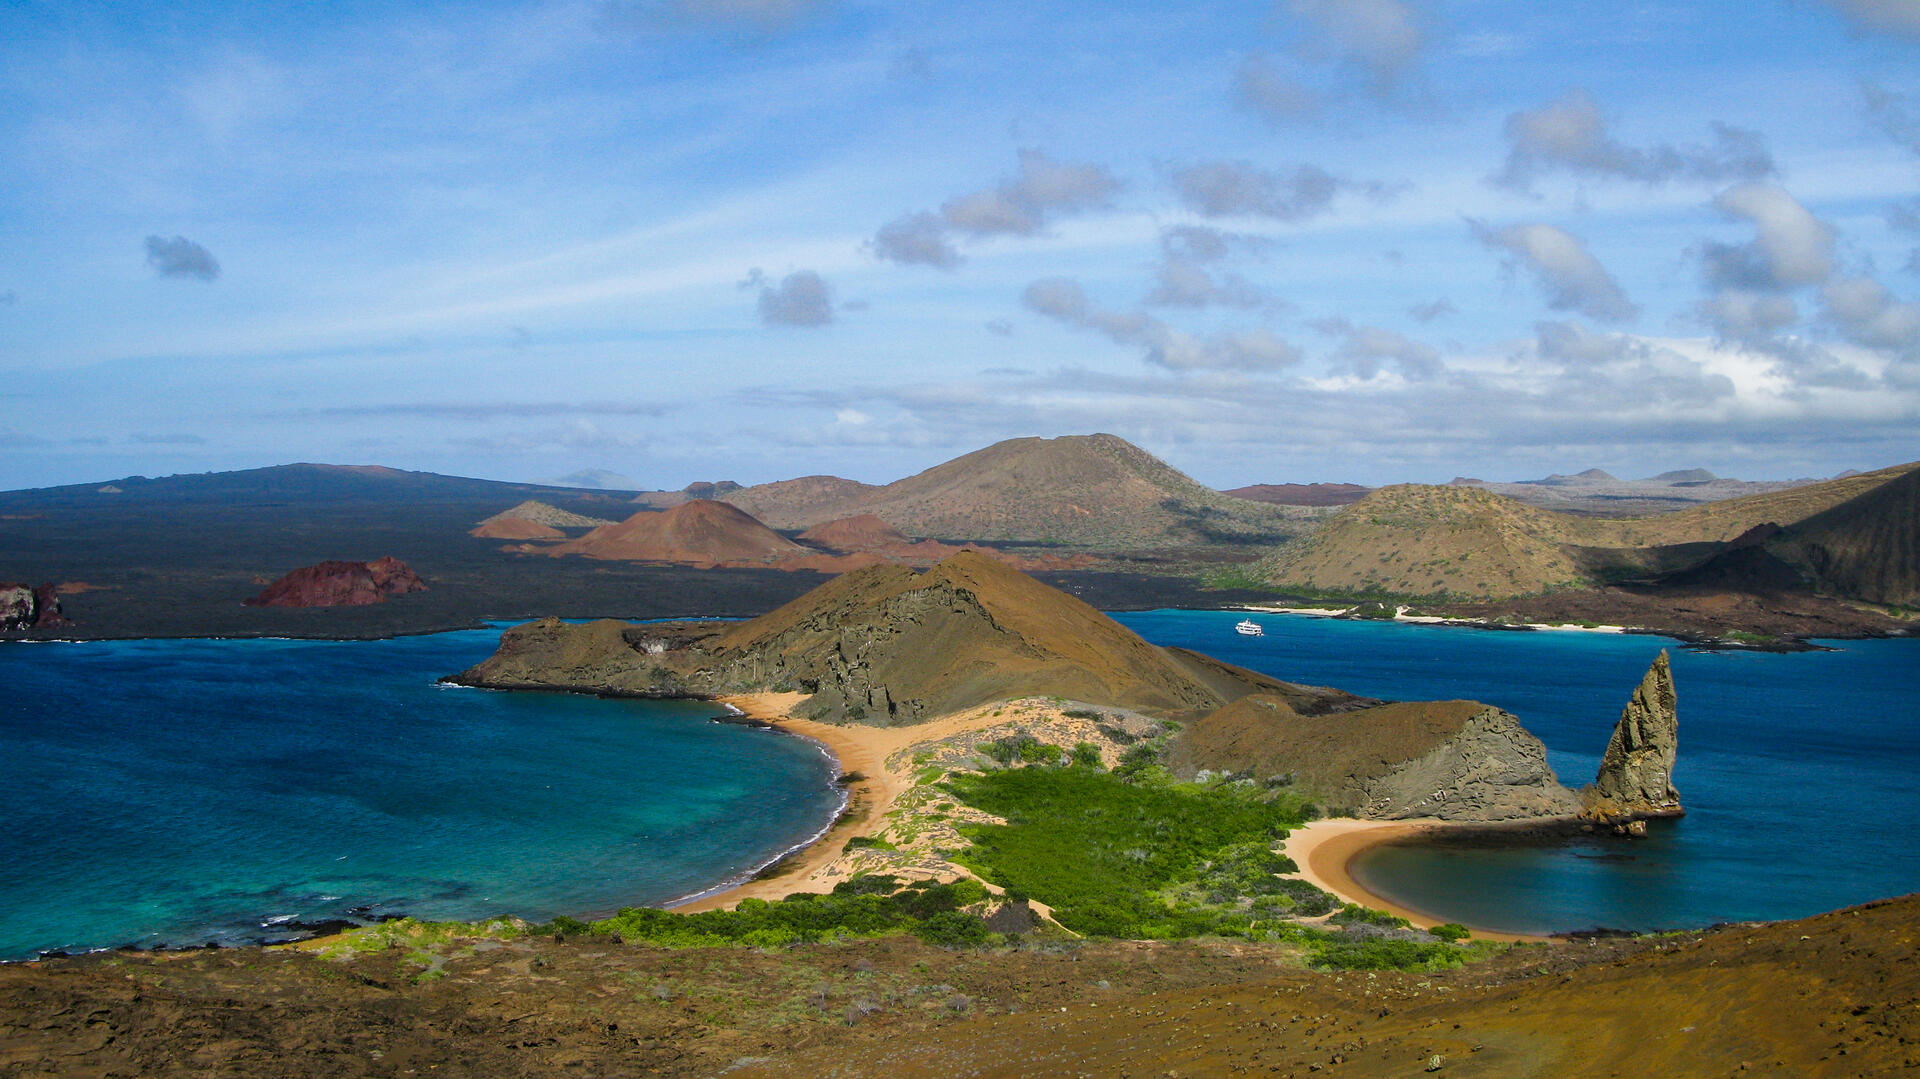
{"type": "Point", "coordinates": [180, 792]}
{"type": "Point", "coordinates": [1799, 771]}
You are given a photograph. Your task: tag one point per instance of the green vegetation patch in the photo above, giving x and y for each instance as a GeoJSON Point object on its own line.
{"type": "Point", "coordinates": [870, 906]}
{"type": "Point", "coordinates": [1105, 853]}
{"type": "Point", "coordinates": [1151, 859]}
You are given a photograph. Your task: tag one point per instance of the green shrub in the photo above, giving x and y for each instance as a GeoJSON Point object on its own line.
{"type": "Point", "coordinates": [1451, 931]}
{"type": "Point", "coordinates": [1086, 755]}
{"type": "Point", "coordinates": [1105, 853]}
{"type": "Point", "coordinates": [952, 929]}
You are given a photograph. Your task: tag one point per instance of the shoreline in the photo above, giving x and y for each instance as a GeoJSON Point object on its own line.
{"type": "Point", "coordinates": [1448, 620]}
{"type": "Point", "coordinates": [1325, 850]}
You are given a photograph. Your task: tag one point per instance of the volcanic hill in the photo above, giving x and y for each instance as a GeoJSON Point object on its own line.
{"type": "Point", "coordinates": [1076, 490]}
{"type": "Point", "coordinates": [889, 646]}
{"type": "Point", "coordinates": [1852, 537]}
{"type": "Point", "coordinates": [699, 532]}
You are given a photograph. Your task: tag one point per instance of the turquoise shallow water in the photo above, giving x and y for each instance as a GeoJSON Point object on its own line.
{"type": "Point", "coordinates": [1800, 772]}
{"type": "Point", "coordinates": [180, 792]}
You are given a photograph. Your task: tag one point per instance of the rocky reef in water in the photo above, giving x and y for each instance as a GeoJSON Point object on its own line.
{"type": "Point", "coordinates": [341, 584]}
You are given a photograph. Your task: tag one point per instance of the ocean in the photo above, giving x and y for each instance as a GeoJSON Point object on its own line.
{"type": "Point", "coordinates": [1800, 772]}
{"type": "Point", "coordinates": [196, 791]}
{"type": "Point", "coordinates": [182, 792]}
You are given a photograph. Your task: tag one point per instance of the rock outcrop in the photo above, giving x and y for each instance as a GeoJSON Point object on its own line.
{"type": "Point", "coordinates": [888, 646]}
{"type": "Point", "coordinates": [1454, 760]}
{"type": "Point", "coordinates": [28, 607]}
{"type": "Point", "coordinates": [341, 584]}
{"type": "Point", "coordinates": [1636, 774]}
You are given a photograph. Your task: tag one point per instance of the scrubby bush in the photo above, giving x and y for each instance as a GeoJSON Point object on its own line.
{"type": "Point", "coordinates": [1104, 853]}
{"type": "Point", "coordinates": [1450, 931]}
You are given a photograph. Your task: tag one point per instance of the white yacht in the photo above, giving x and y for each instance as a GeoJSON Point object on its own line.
{"type": "Point", "coordinates": [1247, 627]}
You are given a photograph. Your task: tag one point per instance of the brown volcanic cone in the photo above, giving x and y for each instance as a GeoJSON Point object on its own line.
{"type": "Point", "coordinates": [890, 646]}
{"type": "Point", "coordinates": [515, 528]}
{"type": "Point", "coordinates": [341, 584]}
{"type": "Point", "coordinates": [701, 532]}
{"type": "Point", "coordinates": [863, 533]}
{"type": "Point", "coordinates": [1077, 490]}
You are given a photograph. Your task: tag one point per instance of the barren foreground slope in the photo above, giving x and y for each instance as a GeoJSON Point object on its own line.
{"type": "Point", "coordinates": [1835, 995]}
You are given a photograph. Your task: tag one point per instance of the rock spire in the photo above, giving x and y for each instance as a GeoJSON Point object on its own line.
{"type": "Point", "coordinates": [1636, 774]}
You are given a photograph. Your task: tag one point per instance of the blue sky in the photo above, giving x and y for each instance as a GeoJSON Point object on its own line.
{"type": "Point", "coordinates": [1356, 240]}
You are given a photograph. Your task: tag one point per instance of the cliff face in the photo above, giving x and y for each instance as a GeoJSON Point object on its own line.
{"type": "Point", "coordinates": [1455, 760]}
{"type": "Point", "coordinates": [1636, 774]}
{"type": "Point", "coordinates": [890, 646]}
{"type": "Point", "coordinates": [340, 584]}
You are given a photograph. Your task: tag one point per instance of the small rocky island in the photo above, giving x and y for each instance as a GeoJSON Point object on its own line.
{"type": "Point", "coordinates": [888, 646]}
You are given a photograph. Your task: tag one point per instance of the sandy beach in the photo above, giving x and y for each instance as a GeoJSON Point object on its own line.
{"type": "Point", "coordinates": [863, 752]}
{"type": "Point", "coordinates": [1325, 849]}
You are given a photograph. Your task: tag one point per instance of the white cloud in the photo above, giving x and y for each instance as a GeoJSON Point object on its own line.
{"type": "Point", "coordinates": [1791, 247]}
{"type": "Point", "coordinates": [1573, 279]}
{"type": "Point", "coordinates": [758, 15]}
{"type": "Point", "coordinates": [1570, 134]}
{"type": "Point", "coordinates": [1384, 38]}
{"type": "Point", "coordinates": [803, 298]}
{"type": "Point", "coordinates": [1898, 18]}
{"type": "Point", "coordinates": [918, 238]}
{"type": "Point", "coordinates": [1242, 189]}
{"type": "Point", "coordinates": [1021, 205]}
{"type": "Point", "coordinates": [1870, 316]}
{"type": "Point", "coordinates": [1063, 300]}
{"type": "Point", "coordinates": [181, 257]}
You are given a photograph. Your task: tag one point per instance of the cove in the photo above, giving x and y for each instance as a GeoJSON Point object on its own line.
{"type": "Point", "coordinates": [183, 792]}
{"type": "Point", "coordinates": [1798, 770]}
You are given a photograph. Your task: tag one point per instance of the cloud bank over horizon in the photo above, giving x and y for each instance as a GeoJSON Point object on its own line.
{"type": "Point", "coordinates": [1364, 240]}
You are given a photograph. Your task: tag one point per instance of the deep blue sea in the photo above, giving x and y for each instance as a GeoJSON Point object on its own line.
{"type": "Point", "coordinates": [1800, 772]}
{"type": "Point", "coordinates": [181, 792]}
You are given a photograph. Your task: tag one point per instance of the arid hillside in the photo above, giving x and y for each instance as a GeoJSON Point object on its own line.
{"type": "Point", "coordinates": [1852, 537]}
{"type": "Point", "coordinates": [1830, 997]}
{"type": "Point", "coordinates": [889, 646]}
{"type": "Point", "coordinates": [1075, 490]}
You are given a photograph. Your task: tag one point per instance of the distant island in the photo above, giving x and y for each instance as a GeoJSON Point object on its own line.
{"type": "Point", "coordinates": [1736, 564]}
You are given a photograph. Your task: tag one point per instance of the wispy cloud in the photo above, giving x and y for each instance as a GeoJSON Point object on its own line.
{"type": "Point", "coordinates": [1242, 189]}
{"type": "Point", "coordinates": [1021, 205]}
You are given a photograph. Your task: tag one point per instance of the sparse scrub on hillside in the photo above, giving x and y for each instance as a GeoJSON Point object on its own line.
{"type": "Point", "coordinates": [870, 906]}
{"type": "Point", "coordinates": [1155, 859]}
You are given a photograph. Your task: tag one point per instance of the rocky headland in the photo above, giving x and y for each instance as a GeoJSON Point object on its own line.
{"type": "Point", "coordinates": [887, 647]}
{"type": "Point", "coordinates": [341, 584]}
